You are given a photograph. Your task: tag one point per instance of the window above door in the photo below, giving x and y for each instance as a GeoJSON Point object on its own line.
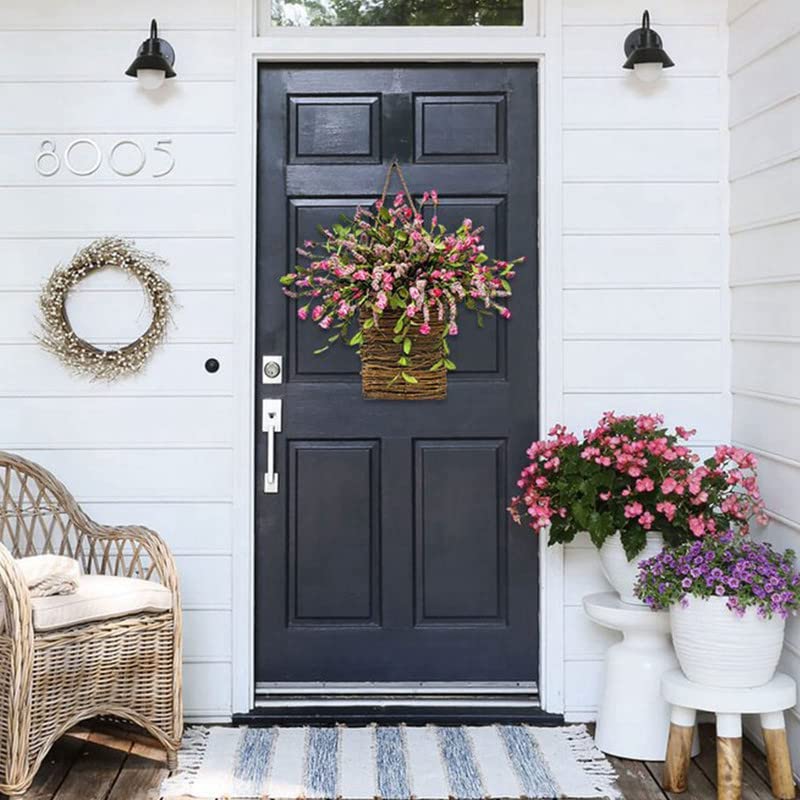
{"type": "Point", "coordinates": [396, 13]}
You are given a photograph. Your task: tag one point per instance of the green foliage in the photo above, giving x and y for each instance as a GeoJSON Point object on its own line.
{"type": "Point", "coordinates": [399, 13]}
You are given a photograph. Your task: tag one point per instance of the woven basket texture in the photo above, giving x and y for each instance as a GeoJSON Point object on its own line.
{"type": "Point", "coordinates": [379, 355]}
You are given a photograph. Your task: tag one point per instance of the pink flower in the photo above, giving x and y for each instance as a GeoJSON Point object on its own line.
{"type": "Point", "coordinates": [667, 509]}
{"type": "Point", "coordinates": [668, 486]}
{"type": "Point", "coordinates": [317, 313]}
{"type": "Point", "coordinates": [453, 331]}
{"type": "Point", "coordinates": [605, 495]}
{"type": "Point", "coordinates": [646, 520]}
{"type": "Point", "coordinates": [411, 311]}
{"type": "Point", "coordinates": [326, 323]}
{"type": "Point", "coordinates": [633, 510]}
{"type": "Point", "coordinates": [424, 329]}
{"type": "Point", "coordinates": [645, 485]}
{"type": "Point", "coordinates": [302, 313]}
{"type": "Point", "coordinates": [697, 526]}
{"type": "Point", "coordinates": [505, 313]}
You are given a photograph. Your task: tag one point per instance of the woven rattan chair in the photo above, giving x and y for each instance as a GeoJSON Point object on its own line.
{"type": "Point", "coordinates": [128, 667]}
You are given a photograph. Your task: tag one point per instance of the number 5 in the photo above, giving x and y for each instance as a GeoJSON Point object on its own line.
{"type": "Point", "coordinates": [162, 147]}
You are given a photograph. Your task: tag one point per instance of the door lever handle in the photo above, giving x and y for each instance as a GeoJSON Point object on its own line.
{"type": "Point", "coordinates": [271, 412]}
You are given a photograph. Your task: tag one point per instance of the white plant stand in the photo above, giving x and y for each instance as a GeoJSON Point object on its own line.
{"type": "Point", "coordinates": [633, 719]}
{"type": "Point", "coordinates": [769, 700]}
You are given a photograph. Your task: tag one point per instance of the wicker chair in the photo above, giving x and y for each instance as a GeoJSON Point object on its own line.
{"type": "Point", "coordinates": [128, 667]}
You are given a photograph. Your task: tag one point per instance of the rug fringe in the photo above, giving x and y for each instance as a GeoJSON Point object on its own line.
{"type": "Point", "coordinates": [190, 759]}
{"type": "Point", "coordinates": [593, 762]}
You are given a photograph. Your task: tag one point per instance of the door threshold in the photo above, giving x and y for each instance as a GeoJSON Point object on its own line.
{"type": "Point", "coordinates": [412, 703]}
{"type": "Point", "coordinates": [416, 714]}
{"type": "Point", "coordinates": [378, 701]}
{"type": "Point", "coordinates": [268, 689]}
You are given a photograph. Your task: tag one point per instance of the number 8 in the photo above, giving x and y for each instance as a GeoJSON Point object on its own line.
{"type": "Point", "coordinates": [48, 149]}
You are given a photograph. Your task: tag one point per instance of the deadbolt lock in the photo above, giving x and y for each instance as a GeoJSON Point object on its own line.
{"type": "Point", "coordinates": [272, 369]}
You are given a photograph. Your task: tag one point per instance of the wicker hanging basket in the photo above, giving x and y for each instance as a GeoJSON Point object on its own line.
{"type": "Point", "coordinates": [379, 367]}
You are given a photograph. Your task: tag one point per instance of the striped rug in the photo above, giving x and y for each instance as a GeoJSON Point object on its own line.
{"type": "Point", "coordinates": [391, 763]}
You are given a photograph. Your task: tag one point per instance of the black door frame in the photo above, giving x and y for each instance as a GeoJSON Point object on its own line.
{"type": "Point", "coordinates": [419, 711]}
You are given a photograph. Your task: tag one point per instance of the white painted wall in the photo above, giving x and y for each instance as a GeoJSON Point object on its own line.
{"type": "Point", "coordinates": [157, 449]}
{"type": "Point", "coordinates": [644, 207]}
{"type": "Point", "coordinates": [765, 275]}
{"type": "Point", "coordinates": [644, 251]}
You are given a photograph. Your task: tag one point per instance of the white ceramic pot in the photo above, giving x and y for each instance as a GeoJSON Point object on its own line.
{"type": "Point", "coordinates": [715, 647]}
{"type": "Point", "coordinates": [620, 572]}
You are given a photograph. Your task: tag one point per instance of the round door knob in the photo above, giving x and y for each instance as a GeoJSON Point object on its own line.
{"type": "Point", "coordinates": [272, 369]}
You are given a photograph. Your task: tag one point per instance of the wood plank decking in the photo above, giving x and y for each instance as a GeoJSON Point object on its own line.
{"type": "Point", "coordinates": [103, 763]}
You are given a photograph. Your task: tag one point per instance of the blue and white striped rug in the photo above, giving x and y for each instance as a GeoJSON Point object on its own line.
{"type": "Point", "coordinates": [391, 763]}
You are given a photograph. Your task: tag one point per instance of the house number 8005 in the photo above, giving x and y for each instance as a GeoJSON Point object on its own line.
{"type": "Point", "coordinates": [48, 162]}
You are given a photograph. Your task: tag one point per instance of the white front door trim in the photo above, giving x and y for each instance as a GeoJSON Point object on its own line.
{"type": "Point", "coordinates": [403, 45]}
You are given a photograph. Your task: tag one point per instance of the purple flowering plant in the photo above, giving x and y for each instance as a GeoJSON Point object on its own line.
{"type": "Point", "coordinates": [747, 572]}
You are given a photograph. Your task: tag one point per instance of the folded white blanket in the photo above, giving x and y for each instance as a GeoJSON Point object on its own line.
{"type": "Point", "coordinates": [49, 575]}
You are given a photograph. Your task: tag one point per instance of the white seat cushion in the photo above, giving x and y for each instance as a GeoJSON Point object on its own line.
{"type": "Point", "coordinates": [99, 597]}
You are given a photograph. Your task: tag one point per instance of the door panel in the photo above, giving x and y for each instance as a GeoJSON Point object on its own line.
{"type": "Point", "coordinates": [467, 538]}
{"type": "Point", "coordinates": [387, 555]}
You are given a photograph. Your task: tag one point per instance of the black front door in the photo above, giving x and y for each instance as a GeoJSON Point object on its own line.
{"type": "Point", "coordinates": [387, 554]}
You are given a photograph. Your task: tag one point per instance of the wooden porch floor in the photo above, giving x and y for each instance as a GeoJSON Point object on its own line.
{"type": "Point", "coordinates": [102, 763]}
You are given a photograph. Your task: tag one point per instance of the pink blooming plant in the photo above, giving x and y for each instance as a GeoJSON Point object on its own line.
{"type": "Point", "coordinates": [633, 475]}
{"type": "Point", "coordinates": [390, 258]}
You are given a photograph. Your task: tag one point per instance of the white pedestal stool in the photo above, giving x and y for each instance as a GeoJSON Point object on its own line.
{"type": "Point", "coordinates": [633, 719]}
{"type": "Point", "coordinates": [770, 701]}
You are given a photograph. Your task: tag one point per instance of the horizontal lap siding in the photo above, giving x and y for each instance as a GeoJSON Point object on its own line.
{"type": "Point", "coordinates": [645, 325]}
{"type": "Point", "coordinates": [765, 276]}
{"type": "Point", "coordinates": [156, 449]}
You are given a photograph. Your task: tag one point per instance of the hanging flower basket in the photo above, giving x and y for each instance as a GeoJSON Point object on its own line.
{"type": "Point", "coordinates": [401, 276]}
{"type": "Point", "coordinates": [424, 377]}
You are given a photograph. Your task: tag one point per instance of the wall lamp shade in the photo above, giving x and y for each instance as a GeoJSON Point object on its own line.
{"type": "Point", "coordinates": [645, 52]}
{"type": "Point", "coordinates": [154, 61]}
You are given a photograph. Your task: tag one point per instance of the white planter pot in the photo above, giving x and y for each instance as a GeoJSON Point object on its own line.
{"type": "Point", "coordinates": [620, 572]}
{"type": "Point", "coordinates": [715, 647]}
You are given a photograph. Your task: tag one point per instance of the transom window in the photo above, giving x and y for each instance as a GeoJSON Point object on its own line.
{"type": "Point", "coordinates": [395, 13]}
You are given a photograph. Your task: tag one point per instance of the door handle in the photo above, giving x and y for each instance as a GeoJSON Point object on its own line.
{"type": "Point", "coordinates": [271, 412]}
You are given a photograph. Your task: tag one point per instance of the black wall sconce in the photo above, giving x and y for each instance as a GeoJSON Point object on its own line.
{"type": "Point", "coordinates": [645, 52]}
{"type": "Point", "coordinates": [153, 62]}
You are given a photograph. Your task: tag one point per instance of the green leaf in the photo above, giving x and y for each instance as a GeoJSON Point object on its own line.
{"type": "Point", "coordinates": [287, 280]}
{"type": "Point", "coordinates": [634, 541]}
{"type": "Point", "coordinates": [334, 337]}
{"type": "Point", "coordinates": [438, 365]}
{"type": "Point", "coordinates": [581, 515]}
{"type": "Point", "coordinates": [409, 378]}
{"type": "Point", "coordinates": [398, 325]}
{"type": "Point", "coordinates": [406, 345]}
{"type": "Point", "coordinates": [368, 323]}
{"type": "Point", "coordinates": [321, 350]}
{"type": "Point", "coordinates": [403, 361]}
{"type": "Point", "coordinates": [445, 347]}
{"type": "Point", "coordinates": [449, 364]}
{"type": "Point", "coordinates": [505, 284]}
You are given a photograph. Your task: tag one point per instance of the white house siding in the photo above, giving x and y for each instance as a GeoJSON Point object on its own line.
{"type": "Point", "coordinates": [156, 449]}
{"type": "Point", "coordinates": [765, 275]}
{"type": "Point", "coordinates": [644, 252]}
{"type": "Point", "coordinates": [644, 202]}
